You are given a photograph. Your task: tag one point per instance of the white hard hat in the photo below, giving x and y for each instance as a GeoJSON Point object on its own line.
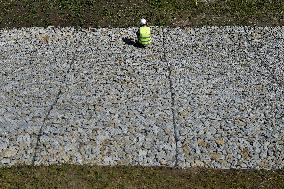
{"type": "Point", "coordinates": [143, 21]}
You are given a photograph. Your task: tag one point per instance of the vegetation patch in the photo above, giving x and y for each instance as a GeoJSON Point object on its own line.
{"type": "Point", "coordinates": [75, 176]}
{"type": "Point", "coordinates": [125, 13]}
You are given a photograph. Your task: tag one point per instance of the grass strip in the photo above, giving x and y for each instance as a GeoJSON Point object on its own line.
{"type": "Point", "coordinates": [78, 176]}
{"type": "Point", "coordinates": [125, 13]}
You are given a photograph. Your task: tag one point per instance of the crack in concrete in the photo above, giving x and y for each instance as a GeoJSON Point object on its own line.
{"type": "Point", "coordinates": [173, 110]}
{"type": "Point", "coordinates": [40, 133]}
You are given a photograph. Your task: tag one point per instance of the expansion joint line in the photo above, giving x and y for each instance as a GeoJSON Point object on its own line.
{"type": "Point", "coordinates": [164, 59]}
{"type": "Point", "coordinates": [58, 95]}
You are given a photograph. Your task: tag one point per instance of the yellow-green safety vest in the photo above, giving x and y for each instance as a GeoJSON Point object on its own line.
{"type": "Point", "coordinates": [145, 35]}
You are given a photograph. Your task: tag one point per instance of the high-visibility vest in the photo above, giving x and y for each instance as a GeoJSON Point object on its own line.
{"type": "Point", "coordinates": [145, 35]}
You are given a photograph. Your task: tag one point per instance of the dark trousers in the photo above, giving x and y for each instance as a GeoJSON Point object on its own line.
{"type": "Point", "coordinates": [137, 42]}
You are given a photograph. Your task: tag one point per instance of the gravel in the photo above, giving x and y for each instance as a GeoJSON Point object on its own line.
{"type": "Point", "coordinates": [31, 74]}
{"type": "Point", "coordinates": [113, 109]}
{"type": "Point", "coordinates": [229, 104]}
{"type": "Point", "coordinates": [210, 96]}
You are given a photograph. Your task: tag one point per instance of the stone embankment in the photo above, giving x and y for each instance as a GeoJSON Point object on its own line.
{"type": "Point", "coordinates": [209, 96]}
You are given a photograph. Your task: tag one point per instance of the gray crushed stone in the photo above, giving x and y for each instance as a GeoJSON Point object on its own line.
{"type": "Point", "coordinates": [209, 96]}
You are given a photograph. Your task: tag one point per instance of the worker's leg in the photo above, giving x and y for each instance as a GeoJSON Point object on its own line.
{"type": "Point", "coordinates": [137, 37]}
{"type": "Point", "coordinates": [137, 41]}
{"type": "Point", "coordinates": [139, 45]}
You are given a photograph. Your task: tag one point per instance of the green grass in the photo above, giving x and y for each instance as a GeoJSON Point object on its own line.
{"type": "Point", "coordinates": [71, 176]}
{"type": "Point", "coordinates": [125, 13]}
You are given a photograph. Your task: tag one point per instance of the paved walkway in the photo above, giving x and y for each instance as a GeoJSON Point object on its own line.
{"type": "Point", "coordinates": [207, 96]}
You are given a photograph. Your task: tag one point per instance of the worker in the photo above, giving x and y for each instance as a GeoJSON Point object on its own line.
{"type": "Point", "coordinates": [144, 34]}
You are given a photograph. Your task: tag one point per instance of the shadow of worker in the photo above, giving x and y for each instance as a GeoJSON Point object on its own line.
{"type": "Point", "coordinates": [129, 41]}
